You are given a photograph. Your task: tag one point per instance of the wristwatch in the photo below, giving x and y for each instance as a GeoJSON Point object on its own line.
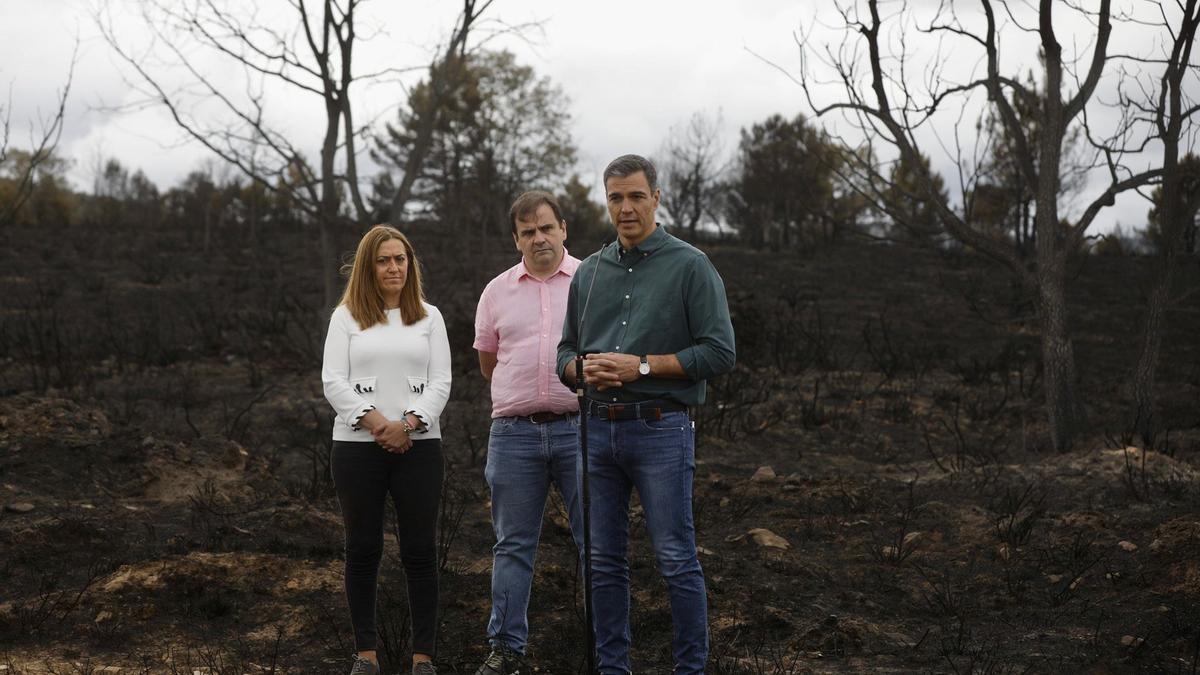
{"type": "Point", "coordinates": [644, 367]}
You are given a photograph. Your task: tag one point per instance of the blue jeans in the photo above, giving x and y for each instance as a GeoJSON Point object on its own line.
{"type": "Point", "coordinates": [523, 459]}
{"type": "Point", "coordinates": [658, 458]}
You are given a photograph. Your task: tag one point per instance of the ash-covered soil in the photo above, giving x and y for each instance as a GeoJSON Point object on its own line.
{"type": "Point", "coordinates": [875, 491]}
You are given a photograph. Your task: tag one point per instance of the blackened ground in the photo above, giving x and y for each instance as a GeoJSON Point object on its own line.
{"type": "Point", "coordinates": [161, 413]}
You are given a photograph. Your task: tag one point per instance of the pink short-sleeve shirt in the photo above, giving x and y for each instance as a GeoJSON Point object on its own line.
{"type": "Point", "coordinates": [520, 319]}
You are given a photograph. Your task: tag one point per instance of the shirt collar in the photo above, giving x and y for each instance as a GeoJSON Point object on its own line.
{"type": "Point", "coordinates": [566, 267]}
{"type": "Point", "coordinates": [649, 245]}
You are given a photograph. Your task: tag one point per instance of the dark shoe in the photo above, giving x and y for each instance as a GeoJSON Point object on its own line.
{"type": "Point", "coordinates": [424, 668]}
{"type": "Point", "coordinates": [363, 667]}
{"type": "Point", "coordinates": [503, 661]}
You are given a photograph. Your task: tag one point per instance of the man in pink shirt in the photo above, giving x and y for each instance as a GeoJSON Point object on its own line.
{"type": "Point", "coordinates": [534, 416]}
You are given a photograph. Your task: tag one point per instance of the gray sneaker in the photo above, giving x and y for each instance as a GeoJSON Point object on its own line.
{"type": "Point", "coordinates": [424, 668]}
{"type": "Point", "coordinates": [363, 667]}
{"type": "Point", "coordinates": [503, 661]}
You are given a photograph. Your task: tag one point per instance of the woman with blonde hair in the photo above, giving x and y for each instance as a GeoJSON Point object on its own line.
{"type": "Point", "coordinates": [386, 372]}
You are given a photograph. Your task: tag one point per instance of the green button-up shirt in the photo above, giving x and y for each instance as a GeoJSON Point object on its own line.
{"type": "Point", "coordinates": [663, 296]}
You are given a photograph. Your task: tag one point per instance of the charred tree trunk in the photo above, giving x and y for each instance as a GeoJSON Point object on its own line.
{"type": "Point", "coordinates": [1027, 225]}
{"type": "Point", "coordinates": [1021, 226]}
{"type": "Point", "coordinates": [328, 218]}
{"type": "Point", "coordinates": [1064, 411]}
{"type": "Point", "coordinates": [1058, 353]}
{"type": "Point", "coordinates": [1145, 370]}
{"type": "Point", "coordinates": [327, 213]}
{"type": "Point", "coordinates": [1174, 217]}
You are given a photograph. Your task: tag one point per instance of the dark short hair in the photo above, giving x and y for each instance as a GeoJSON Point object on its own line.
{"type": "Point", "coordinates": [627, 165]}
{"type": "Point", "coordinates": [528, 203]}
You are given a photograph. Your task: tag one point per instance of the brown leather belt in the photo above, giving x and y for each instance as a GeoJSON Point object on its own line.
{"type": "Point", "coordinates": [545, 417]}
{"type": "Point", "coordinates": [653, 409]}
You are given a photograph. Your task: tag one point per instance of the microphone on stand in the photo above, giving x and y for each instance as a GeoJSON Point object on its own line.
{"type": "Point", "coordinates": [586, 498]}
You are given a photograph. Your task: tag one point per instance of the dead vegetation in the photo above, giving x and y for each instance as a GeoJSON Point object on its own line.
{"type": "Point", "coordinates": [172, 443]}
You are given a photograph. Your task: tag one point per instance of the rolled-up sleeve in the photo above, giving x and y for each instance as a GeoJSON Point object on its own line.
{"type": "Point", "coordinates": [713, 349]}
{"type": "Point", "coordinates": [486, 337]}
{"type": "Point", "coordinates": [428, 405]}
{"type": "Point", "coordinates": [335, 371]}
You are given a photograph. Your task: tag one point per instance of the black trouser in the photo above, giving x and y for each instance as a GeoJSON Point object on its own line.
{"type": "Point", "coordinates": [364, 474]}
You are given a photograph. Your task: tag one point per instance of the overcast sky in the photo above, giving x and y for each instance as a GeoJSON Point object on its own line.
{"type": "Point", "coordinates": [631, 69]}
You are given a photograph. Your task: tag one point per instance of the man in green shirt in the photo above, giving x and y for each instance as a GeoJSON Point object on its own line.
{"type": "Point", "coordinates": [649, 314]}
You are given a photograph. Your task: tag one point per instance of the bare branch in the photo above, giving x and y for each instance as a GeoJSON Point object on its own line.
{"type": "Point", "coordinates": [441, 85]}
{"type": "Point", "coordinates": [208, 138]}
{"type": "Point", "coordinates": [41, 149]}
{"type": "Point", "coordinates": [1108, 198]}
{"type": "Point", "coordinates": [1008, 116]}
{"type": "Point", "coordinates": [1097, 66]}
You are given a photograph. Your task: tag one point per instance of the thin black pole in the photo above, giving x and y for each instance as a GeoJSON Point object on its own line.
{"type": "Point", "coordinates": [590, 630]}
{"type": "Point", "coordinates": [580, 391]}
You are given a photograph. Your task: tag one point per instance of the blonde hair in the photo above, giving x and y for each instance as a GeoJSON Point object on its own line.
{"type": "Point", "coordinates": [363, 297]}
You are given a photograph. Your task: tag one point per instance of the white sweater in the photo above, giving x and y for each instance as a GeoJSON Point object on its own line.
{"type": "Point", "coordinates": [390, 367]}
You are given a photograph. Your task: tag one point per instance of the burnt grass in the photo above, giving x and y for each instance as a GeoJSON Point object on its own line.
{"type": "Point", "coordinates": [161, 410]}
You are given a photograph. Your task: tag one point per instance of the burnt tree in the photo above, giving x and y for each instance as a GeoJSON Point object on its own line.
{"type": "Point", "coordinates": [311, 53]}
{"type": "Point", "coordinates": [883, 100]}
{"type": "Point", "coordinates": [1167, 108]}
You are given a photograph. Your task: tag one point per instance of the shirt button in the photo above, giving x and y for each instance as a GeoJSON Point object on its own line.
{"type": "Point", "coordinates": [626, 296]}
{"type": "Point", "coordinates": [622, 323]}
{"type": "Point", "coordinates": [630, 269]}
{"type": "Point", "coordinates": [618, 347]}
{"type": "Point", "coordinates": [614, 399]}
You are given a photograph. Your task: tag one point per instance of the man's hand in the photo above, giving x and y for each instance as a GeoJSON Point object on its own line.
{"type": "Point", "coordinates": [609, 370]}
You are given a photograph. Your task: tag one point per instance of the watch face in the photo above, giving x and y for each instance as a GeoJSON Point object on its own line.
{"type": "Point", "coordinates": [644, 368]}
